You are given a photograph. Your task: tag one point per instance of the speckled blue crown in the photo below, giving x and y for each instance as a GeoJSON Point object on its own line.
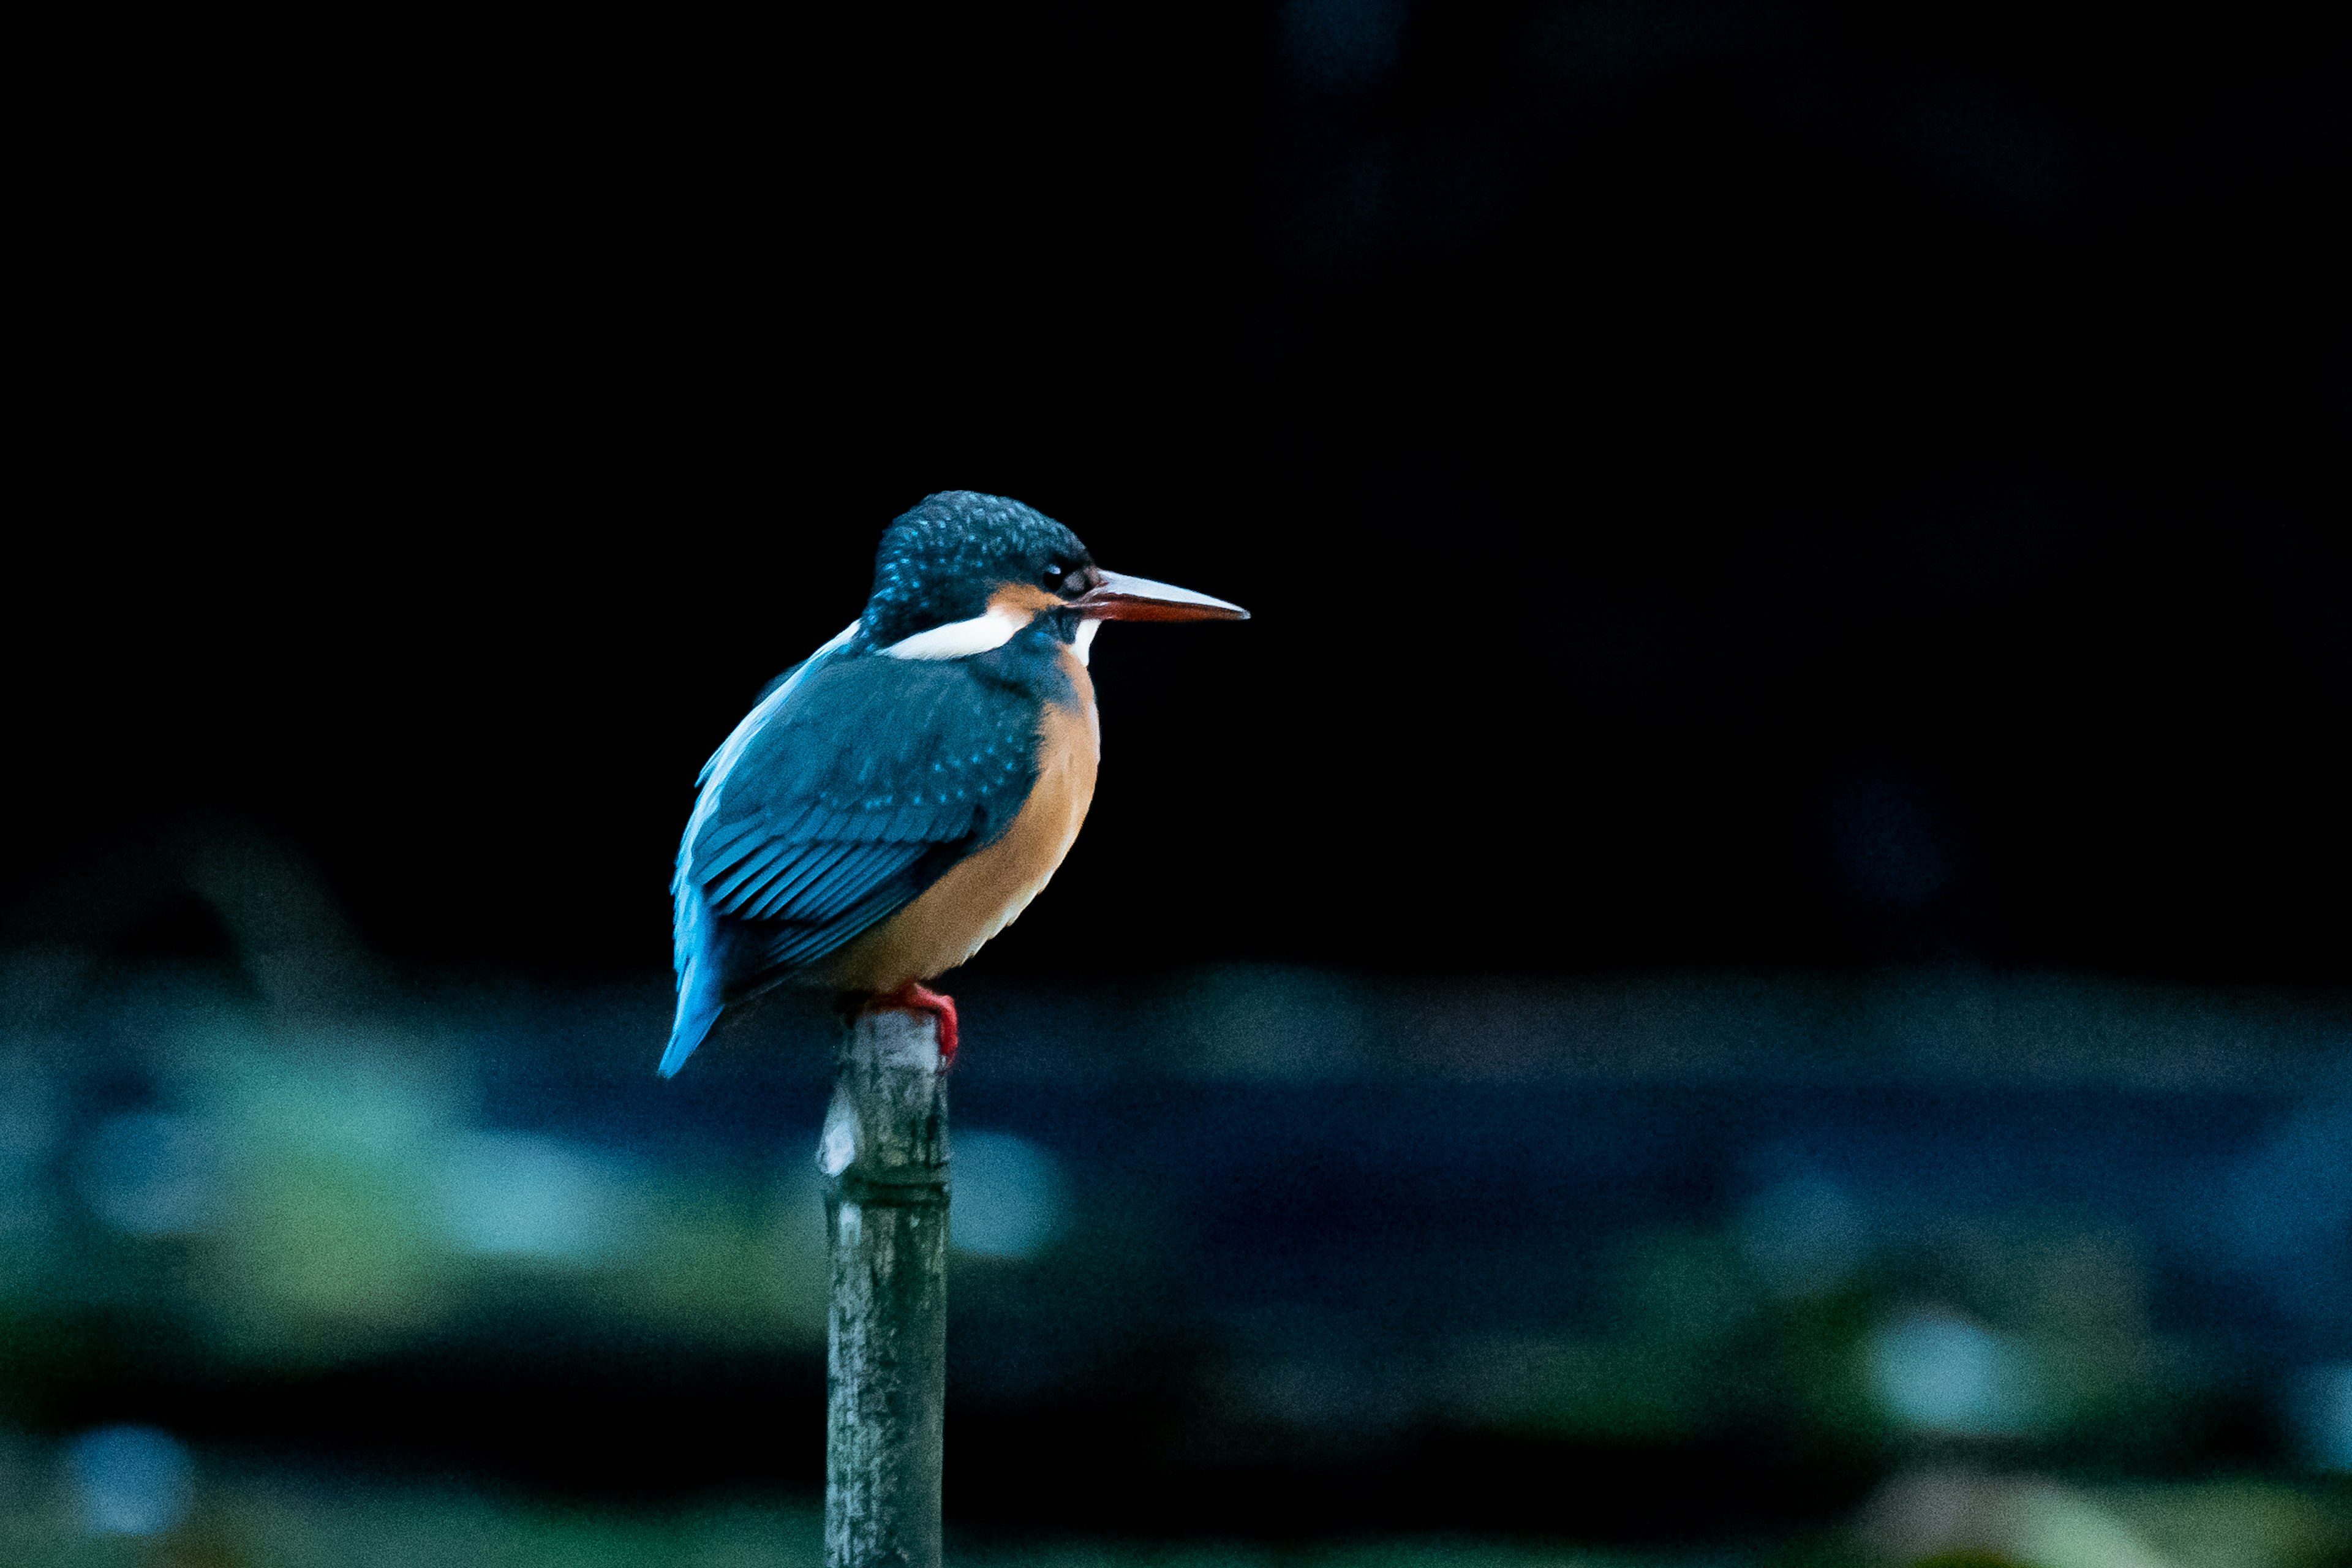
{"type": "Point", "coordinates": [939, 560]}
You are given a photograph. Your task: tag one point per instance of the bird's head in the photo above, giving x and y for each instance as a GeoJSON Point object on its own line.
{"type": "Point", "coordinates": [964, 572]}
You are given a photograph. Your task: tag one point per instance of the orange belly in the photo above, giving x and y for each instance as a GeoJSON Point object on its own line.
{"type": "Point", "coordinates": [985, 892]}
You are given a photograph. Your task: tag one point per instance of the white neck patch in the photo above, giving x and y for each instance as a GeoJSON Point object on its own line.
{"type": "Point", "coordinates": [961, 639]}
{"type": "Point", "coordinates": [1084, 644]}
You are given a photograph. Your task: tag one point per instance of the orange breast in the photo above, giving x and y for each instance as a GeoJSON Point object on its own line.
{"type": "Point", "coordinates": [985, 893]}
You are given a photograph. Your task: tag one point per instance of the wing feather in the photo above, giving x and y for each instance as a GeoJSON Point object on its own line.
{"type": "Point", "coordinates": [855, 878]}
{"type": "Point", "coordinates": [753, 871]}
{"type": "Point", "coordinates": [795, 867]}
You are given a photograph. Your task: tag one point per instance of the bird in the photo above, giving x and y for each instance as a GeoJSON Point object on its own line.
{"type": "Point", "coordinates": [897, 798]}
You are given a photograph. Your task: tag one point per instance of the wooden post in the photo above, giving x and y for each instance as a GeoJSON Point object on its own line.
{"type": "Point", "coordinates": [884, 1154]}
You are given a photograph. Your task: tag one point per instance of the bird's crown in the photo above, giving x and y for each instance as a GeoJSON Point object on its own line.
{"type": "Point", "coordinates": [941, 560]}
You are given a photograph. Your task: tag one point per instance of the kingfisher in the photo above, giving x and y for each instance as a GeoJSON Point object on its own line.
{"type": "Point", "coordinates": [900, 797]}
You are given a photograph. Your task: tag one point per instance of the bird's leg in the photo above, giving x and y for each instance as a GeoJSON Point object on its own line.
{"type": "Point", "coordinates": [916, 998]}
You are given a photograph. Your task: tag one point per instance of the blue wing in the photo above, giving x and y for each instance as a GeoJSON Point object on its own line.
{"type": "Point", "coordinates": [853, 784]}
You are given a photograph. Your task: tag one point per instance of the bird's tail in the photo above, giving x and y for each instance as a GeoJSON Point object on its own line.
{"type": "Point", "coordinates": [698, 1009]}
{"type": "Point", "coordinates": [698, 980]}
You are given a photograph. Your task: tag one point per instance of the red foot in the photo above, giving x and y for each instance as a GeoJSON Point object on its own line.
{"type": "Point", "coordinates": [916, 998]}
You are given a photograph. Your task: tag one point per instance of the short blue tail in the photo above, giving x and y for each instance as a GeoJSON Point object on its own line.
{"type": "Point", "coordinates": [698, 1009]}
{"type": "Point", "coordinates": [699, 984]}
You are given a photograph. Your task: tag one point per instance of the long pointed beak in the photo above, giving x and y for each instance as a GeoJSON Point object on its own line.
{"type": "Point", "coordinates": [1118, 597]}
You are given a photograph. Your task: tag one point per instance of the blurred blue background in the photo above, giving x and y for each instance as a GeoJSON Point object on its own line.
{"type": "Point", "coordinates": [1681, 1265]}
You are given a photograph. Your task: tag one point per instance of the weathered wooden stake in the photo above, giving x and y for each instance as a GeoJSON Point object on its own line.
{"type": "Point", "coordinates": [884, 1154]}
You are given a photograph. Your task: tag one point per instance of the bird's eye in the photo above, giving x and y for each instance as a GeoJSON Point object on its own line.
{"type": "Point", "coordinates": [1054, 575]}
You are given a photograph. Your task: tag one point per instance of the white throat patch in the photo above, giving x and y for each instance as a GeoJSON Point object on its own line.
{"type": "Point", "coordinates": [1084, 645]}
{"type": "Point", "coordinates": [961, 639]}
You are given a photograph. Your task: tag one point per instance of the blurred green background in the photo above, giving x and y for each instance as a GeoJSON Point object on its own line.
{"type": "Point", "coordinates": [1252, 1264]}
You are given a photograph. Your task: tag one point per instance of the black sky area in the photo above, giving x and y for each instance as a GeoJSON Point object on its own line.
{"type": "Point", "coordinates": [1718, 484]}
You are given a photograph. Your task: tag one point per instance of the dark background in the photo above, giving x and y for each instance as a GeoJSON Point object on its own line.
{"type": "Point", "coordinates": [1717, 485]}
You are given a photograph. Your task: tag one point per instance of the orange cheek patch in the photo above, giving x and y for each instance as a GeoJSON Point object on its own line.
{"type": "Point", "coordinates": [1024, 599]}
